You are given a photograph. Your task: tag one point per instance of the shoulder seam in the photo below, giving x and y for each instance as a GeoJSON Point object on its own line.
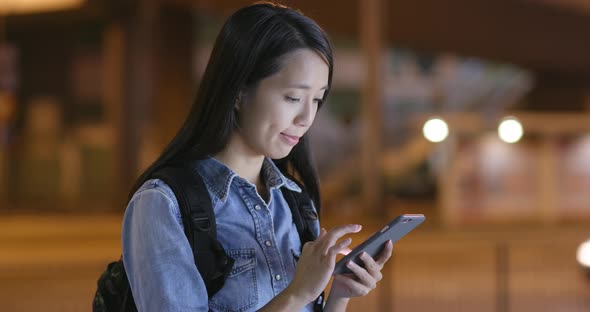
{"type": "Point", "coordinates": [172, 200]}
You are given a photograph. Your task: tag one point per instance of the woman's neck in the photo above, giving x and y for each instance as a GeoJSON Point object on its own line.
{"type": "Point", "coordinates": [241, 160]}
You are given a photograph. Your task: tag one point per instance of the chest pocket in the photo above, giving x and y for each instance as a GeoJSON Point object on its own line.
{"type": "Point", "coordinates": [239, 293]}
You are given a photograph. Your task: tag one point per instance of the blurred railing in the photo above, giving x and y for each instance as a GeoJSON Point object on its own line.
{"type": "Point", "coordinates": [51, 263]}
{"type": "Point", "coordinates": [514, 270]}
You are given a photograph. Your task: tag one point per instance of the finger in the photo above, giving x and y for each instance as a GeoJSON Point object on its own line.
{"type": "Point", "coordinates": [371, 266]}
{"type": "Point", "coordinates": [345, 251]}
{"type": "Point", "coordinates": [322, 233]}
{"type": "Point", "coordinates": [306, 246]}
{"type": "Point", "coordinates": [354, 288]}
{"type": "Point", "coordinates": [337, 248]}
{"type": "Point", "coordinates": [363, 276]}
{"type": "Point", "coordinates": [347, 275]}
{"type": "Point", "coordinates": [385, 254]}
{"type": "Point", "coordinates": [336, 233]}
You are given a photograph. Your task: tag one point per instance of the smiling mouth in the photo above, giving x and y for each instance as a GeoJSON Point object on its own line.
{"type": "Point", "coordinates": [290, 139]}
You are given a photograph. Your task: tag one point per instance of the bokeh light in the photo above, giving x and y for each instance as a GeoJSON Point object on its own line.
{"type": "Point", "coordinates": [510, 130]}
{"type": "Point", "coordinates": [435, 130]}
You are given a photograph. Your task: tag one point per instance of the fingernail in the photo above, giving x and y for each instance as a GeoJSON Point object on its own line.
{"type": "Point", "coordinates": [349, 264]}
{"type": "Point", "coordinates": [358, 227]}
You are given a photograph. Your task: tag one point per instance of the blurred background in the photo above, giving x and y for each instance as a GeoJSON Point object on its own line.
{"type": "Point", "coordinates": [475, 113]}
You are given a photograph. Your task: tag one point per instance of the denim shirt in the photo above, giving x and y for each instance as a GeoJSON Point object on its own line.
{"type": "Point", "coordinates": [261, 237]}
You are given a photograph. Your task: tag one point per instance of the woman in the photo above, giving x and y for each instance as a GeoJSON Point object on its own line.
{"type": "Point", "coordinates": [269, 72]}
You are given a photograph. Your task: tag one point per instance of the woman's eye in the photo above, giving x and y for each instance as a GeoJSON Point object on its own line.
{"type": "Point", "coordinates": [292, 99]}
{"type": "Point", "coordinates": [319, 101]}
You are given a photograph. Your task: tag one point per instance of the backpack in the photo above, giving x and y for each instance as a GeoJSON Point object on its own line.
{"type": "Point", "coordinates": [113, 291]}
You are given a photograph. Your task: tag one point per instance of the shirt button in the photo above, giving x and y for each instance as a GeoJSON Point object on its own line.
{"type": "Point", "coordinates": [268, 243]}
{"type": "Point", "coordinates": [257, 207]}
{"type": "Point", "coordinates": [278, 277]}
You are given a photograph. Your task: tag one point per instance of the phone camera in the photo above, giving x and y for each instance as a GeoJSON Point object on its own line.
{"type": "Point", "coordinates": [406, 220]}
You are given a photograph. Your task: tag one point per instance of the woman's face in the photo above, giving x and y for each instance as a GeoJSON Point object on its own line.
{"type": "Point", "coordinates": [283, 106]}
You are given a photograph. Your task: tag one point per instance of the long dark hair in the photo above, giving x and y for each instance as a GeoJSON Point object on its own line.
{"type": "Point", "coordinates": [248, 49]}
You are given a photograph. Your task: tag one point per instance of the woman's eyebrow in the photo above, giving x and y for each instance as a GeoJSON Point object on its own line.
{"type": "Point", "coordinates": [304, 86]}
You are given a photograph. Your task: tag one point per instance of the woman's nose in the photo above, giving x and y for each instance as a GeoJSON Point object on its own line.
{"type": "Point", "coordinates": [307, 114]}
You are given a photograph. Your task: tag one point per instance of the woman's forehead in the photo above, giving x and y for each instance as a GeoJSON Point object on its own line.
{"type": "Point", "coordinates": [303, 69]}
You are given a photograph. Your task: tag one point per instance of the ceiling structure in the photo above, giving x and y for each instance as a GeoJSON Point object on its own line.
{"type": "Point", "coordinates": [575, 5]}
{"type": "Point", "coordinates": [549, 37]}
{"type": "Point", "coordinates": [542, 35]}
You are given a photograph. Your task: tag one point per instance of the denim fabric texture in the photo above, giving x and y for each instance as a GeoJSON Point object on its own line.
{"type": "Point", "coordinates": [260, 236]}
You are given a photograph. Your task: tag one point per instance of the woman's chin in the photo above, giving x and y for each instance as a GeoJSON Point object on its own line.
{"type": "Point", "coordinates": [279, 153]}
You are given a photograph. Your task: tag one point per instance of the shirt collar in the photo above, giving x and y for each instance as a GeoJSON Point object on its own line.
{"type": "Point", "coordinates": [274, 178]}
{"type": "Point", "coordinates": [218, 177]}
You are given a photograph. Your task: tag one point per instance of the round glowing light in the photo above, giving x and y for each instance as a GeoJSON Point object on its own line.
{"type": "Point", "coordinates": [435, 130]}
{"type": "Point", "coordinates": [583, 255]}
{"type": "Point", "coordinates": [510, 130]}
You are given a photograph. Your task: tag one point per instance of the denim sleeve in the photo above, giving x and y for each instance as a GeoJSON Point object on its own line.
{"type": "Point", "coordinates": [157, 256]}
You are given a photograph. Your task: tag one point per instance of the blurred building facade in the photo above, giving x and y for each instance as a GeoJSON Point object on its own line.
{"type": "Point", "coordinates": [92, 91]}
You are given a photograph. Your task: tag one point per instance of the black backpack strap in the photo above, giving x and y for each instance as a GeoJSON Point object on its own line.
{"type": "Point", "coordinates": [303, 213]}
{"type": "Point", "coordinates": [304, 216]}
{"type": "Point", "coordinates": [200, 228]}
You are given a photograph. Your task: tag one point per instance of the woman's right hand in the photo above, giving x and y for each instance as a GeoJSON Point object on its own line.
{"type": "Point", "coordinates": [317, 261]}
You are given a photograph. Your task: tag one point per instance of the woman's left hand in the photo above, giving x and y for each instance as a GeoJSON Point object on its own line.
{"type": "Point", "coordinates": [362, 280]}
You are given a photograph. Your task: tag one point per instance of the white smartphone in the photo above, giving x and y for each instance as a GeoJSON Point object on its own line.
{"type": "Point", "coordinates": [393, 231]}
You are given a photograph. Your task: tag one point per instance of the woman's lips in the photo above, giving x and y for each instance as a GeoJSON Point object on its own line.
{"type": "Point", "coordinates": [290, 139]}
